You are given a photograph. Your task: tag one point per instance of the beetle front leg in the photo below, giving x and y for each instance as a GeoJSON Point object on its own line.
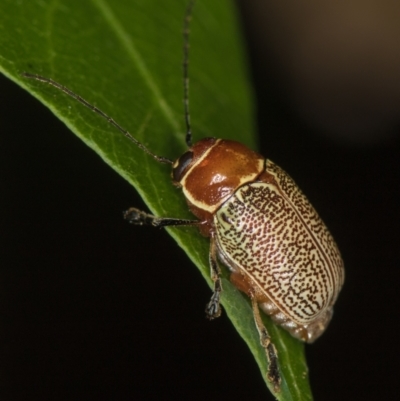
{"type": "Point", "coordinates": [270, 350]}
{"type": "Point", "coordinates": [213, 308]}
{"type": "Point", "coordinates": [140, 218]}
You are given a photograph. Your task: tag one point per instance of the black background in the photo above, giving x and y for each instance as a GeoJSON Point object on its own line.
{"type": "Point", "coordinates": [94, 308]}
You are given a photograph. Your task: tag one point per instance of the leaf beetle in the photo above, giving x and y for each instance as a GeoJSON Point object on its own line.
{"type": "Point", "coordinates": [261, 226]}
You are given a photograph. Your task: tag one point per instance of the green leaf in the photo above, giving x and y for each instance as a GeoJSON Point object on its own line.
{"type": "Point", "coordinates": [125, 57]}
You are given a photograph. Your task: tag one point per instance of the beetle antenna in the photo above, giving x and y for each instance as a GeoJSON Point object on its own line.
{"type": "Point", "coordinates": [186, 33]}
{"type": "Point", "coordinates": [90, 106]}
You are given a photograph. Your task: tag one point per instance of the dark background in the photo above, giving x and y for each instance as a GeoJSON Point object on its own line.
{"type": "Point", "coordinates": [93, 308]}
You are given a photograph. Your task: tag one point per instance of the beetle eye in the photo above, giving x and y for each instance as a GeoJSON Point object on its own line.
{"type": "Point", "coordinates": [181, 165]}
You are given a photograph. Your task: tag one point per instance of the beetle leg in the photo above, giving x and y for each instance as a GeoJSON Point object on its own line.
{"type": "Point", "coordinates": [138, 217]}
{"type": "Point", "coordinates": [270, 350]}
{"type": "Point", "coordinates": [213, 308]}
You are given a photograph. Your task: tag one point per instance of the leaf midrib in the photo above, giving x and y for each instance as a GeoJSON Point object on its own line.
{"type": "Point", "coordinates": [126, 42]}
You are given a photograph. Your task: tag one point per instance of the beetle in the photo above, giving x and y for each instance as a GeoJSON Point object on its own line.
{"type": "Point", "coordinates": [260, 225]}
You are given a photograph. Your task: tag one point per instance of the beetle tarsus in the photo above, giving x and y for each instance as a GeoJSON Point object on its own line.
{"type": "Point", "coordinates": [273, 374]}
{"type": "Point", "coordinates": [137, 217]}
{"type": "Point", "coordinates": [213, 309]}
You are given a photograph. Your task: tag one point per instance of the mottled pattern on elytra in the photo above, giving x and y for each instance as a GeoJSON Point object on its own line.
{"type": "Point", "coordinates": [273, 234]}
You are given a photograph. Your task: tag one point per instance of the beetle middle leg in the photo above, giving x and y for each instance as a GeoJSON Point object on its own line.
{"type": "Point", "coordinates": [270, 350]}
{"type": "Point", "coordinates": [138, 217]}
{"type": "Point", "coordinates": [213, 308]}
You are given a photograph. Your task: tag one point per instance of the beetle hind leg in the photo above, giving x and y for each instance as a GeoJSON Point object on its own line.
{"type": "Point", "coordinates": [273, 371]}
{"type": "Point", "coordinates": [213, 308]}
